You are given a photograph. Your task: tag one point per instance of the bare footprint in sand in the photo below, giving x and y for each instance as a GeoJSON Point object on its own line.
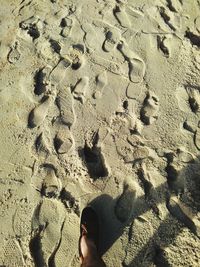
{"type": "Point", "coordinates": [65, 104]}
{"type": "Point", "coordinates": [150, 110]}
{"type": "Point", "coordinates": [80, 89]}
{"type": "Point", "coordinates": [63, 141]}
{"type": "Point", "coordinates": [124, 204]}
{"type": "Point", "coordinates": [101, 82]}
{"type": "Point", "coordinates": [39, 113]}
{"type": "Point", "coordinates": [47, 223]}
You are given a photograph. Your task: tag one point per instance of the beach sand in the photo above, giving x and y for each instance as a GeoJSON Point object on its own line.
{"type": "Point", "coordinates": [100, 105]}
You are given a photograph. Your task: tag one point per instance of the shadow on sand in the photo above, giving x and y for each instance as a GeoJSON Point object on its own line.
{"type": "Point", "coordinates": [182, 184]}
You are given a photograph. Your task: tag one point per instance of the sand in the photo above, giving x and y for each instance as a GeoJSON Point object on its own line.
{"type": "Point", "coordinates": [100, 104]}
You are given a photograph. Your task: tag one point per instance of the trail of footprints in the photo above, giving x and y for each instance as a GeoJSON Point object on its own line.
{"type": "Point", "coordinates": [50, 213]}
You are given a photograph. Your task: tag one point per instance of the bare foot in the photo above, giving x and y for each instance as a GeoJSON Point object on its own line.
{"type": "Point", "coordinates": [87, 246]}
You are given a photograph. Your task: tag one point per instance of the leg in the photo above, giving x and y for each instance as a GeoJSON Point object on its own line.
{"type": "Point", "coordinates": [90, 257]}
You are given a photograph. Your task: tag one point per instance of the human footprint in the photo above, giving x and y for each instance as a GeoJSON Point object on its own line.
{"type": "Point", "coordinates": [150, 109]}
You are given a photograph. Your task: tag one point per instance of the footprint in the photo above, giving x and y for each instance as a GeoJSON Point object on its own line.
{"type": "Point", "coordinates": [80, 89]}
{"type": "Point", "coordinates": [175, 177]}
{"type": "Point", "coordinates": [150, 110]}
{"type": "Point", "coordinates": [22, 220]}
{"type": "Point", "coordinates": [94, 159]}
{"type": "Point", "coordinates": [140, 234]}
{"type": "Point", "coordinates": [14, 53]}
{"type": "Point", "coordinates": [184, 214]}
{"type": "Point", "coordinates": [66, 24]}
{"type": "Point", "coordinates": [136, 65]}
{"type": "Point", "coordinates": [49, 219]}
{"type": "Point", "coordinates": [124, 204]}
{"type": "Point", "coordinates": [111, 41]}
{"type": "Point", "coordinates": [136, 70]}
{"type": "Point", "coordinates": [124, 149]}
{"type": "Point", "coordinates": [68, 243]}
{"type": "Point", "coordinates": [121, 16]}
{"type": "Point", "coordinates": [194, 99]}
{"type": "Point", "coordinates": [140, 152]}
{"type": "Point", "coordinates": [41, 80]}
{"type": "Point", "coordinates": [90, 36]}
{"type": "Point", "coordinates": [182, 98]}
{"type": "Point", "coordinates": [184, 155]}
{"type": "Point", "coordinates": [162, 46]}
{"type": "Point", "coordinates": [39, 113]}
{"type": "Point", "coordinates": [42, 146]}
{"type": "Point", "coordinates": [55, 46]}
{"type": "Point", "coordinates": [12, 254]}
{"type": "Point", "coordinates": [70, 202]}
{"type": "Point", "coordinates": [63, 140]}
{"type": "Point", "coordinates": [154, 187]}
{"type": "Point", "coordinates": [136, 18]}
{"type": "Point", "coordinates": [101, 82]}
{"type": "Point", "coordinates": [51, 185]}
{"type": "Point", "coordinates": [133, 90]}
{"type": "Point", "coordinates": [57, 75]}
{"type": "Point", "coordinates": [32, 26]}
{"type": "Point", "coordinates": [65, 104]}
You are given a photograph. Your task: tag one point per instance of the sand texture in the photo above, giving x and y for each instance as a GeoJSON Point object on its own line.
{"type": "Point", "coordinates": [100, 104]}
